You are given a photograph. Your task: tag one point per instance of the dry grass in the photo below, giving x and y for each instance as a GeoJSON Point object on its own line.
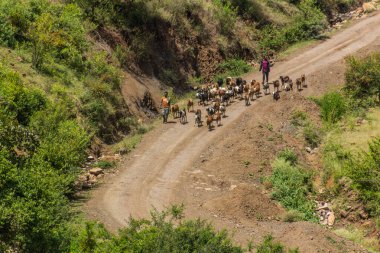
{"type": "Point", "coordinates": [358, 137]}
{"type": "Point", "coordinates": [358, 236]}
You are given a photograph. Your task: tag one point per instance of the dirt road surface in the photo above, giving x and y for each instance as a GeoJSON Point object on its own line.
{"type": "Point", "coordinates": [157, 173]}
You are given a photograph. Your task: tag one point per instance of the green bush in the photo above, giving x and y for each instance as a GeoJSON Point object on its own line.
{"type": "Point", "coordinates": [104, 164]}
{"type": "Point", "coordinates": [165, 232]}
{"type": "Point", "coordinates": [59, 33]}
{"type": "Point", "coordinates": [299, 118]}
{"type": "Point", "coordinates": [17, 100]}
{"type": "Point", "coordinates": [65, 148]}
{"type": "Point", "coordinates": [312, 135]}
{"type": "Point", "coordinates": [363, 77]}
{"type": "Point", "coordinates": [226, 14]}
{"type": "Point", "coordinates": [308, 24]}
{"type": "Point", "coordinates": [333, 107]}
{"type": "Point", "coordinates": [291, 186]}
{"type": "Point", "coordinates": [365, 175]}
{"type": "Point", "coordinates": [270, 246]}
{"type": "Point", "coordinates": [7, 34]}
{"type": "Point", "coordinates": [288, 155]}
{"type": "Point", "coordinates": [233, 68]}
{"type": "Point", "coordinates": [33, 206]}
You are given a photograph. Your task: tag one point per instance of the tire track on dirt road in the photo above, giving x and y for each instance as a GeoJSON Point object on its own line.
{"type": "Point", "coordinates": [151, 173]}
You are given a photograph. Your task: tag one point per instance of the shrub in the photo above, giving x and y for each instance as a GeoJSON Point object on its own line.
{"type": "Point", "coordinates": [309, 23]}
{"type": "Point", "coordinates": [270, 246]}
{"type": "Point", "coordinates": [291, 186]}
{"type": "Point", "coordinates": [363, 77]}
{"type": "Point", "coordinates": [226, 14]}
{"type": "Point", "coordinates": [312, 136]}
{"type": "Point", "coordinates": [293, 216]}
{"type": "Point", "coordinates": [104, 164]}
{"type": "Point", "coordinates": [20, 102]}
{"type": "Point", "coordinates": [164, 232]}
{"type": "Point", "coordinates": [129, 143]}
{"type": "Point", "coordinates": [233, 68]}
{"type": "Point", "coordinates": [333, 107]}
{"type": "Point", "coordinates": [7, 34]}
{"type": "Point", "coordinates": [299, 118]}
{"type": "Point", "coordinates": [64, 149]}
{"type": "Point", "coordinates": [365, 174]}
{"type": "Point", "coordinates": [288, 155]}
{"type": "Point", "coordinates": [33, 206]}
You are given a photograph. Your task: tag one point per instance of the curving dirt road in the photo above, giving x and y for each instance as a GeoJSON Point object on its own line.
{"type": "Point", "coordinates": [150, 175]}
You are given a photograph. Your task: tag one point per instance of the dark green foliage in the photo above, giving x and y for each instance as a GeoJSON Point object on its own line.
{"type": "Point", "coordinates": [365, 174]}
{"type": "Point", "coordinates": [363, 77]}
{"type": "Point", "coordinates": [33, 206]}
{"type": "Point", "coordinates": [18, 101]}
{"type": "Point", "coordinates": [7, 35]}
{"type": "Point", "coordinates": [40, 149]}
{"type": "Point", "coordinates": [333, 106]}
{"type": "Point", "coordinates": [308, 24]}
{"type": "Point", "coordinates": [164, 232]}
{"type": "Point", "coordinates": [291, 186]}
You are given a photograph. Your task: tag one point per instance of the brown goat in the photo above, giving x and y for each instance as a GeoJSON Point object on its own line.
{"type": "Point", "coordinates": [218, 118]}
{"type": "Point", "coordinates": [175, 111]}
{"type": "Point", "coordinates": [303, 80]}
{"type": "Point", "coordinates": [209, 120]}
{"type": "Point", "coordinates": [190, 104]}
{"type": "Point", "coordinates": [276, 85]}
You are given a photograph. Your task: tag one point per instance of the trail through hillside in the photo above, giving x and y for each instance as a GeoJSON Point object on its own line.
{"type": "Point", "coordinates": [154, 174]}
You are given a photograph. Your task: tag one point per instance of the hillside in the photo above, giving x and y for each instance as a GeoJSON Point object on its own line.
{"type": "Point", "coordinates": [79, 75]}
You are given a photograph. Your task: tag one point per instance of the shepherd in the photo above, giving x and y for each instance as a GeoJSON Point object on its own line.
{"type": "Point", "coordinates": [265, 69]}
{"type": "Point", "coordinates": [165, 105]}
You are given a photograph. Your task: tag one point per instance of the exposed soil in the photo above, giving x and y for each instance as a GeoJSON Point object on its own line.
{"type": "Point", "coordinates": [208, 171]}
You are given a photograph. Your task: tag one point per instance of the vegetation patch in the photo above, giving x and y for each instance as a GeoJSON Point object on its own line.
{"type": "Point", "coordinates": [270, 246]}
{"type": "Point", "coordinates": [232, 68]}
{"type": "Point", "coordinates": [292, 186]}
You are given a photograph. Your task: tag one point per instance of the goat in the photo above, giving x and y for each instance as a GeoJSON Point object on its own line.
{"type": "Point", "coordinates": [276, 85]}
{"type": "Point", "coordinates": [198, 118]}
{"type": "Point", "coordinates": [222, 109]}
{"type": "Point", "coordinates": [175, 110]}
{"type": "Point", "coordinates": [218, 118]}
{"type": "Point", "coordinates": [210, 111]}
{"type": "Point", "coordinates": [190, 104]}
{"type": "Point", "coordinates": [299, 84]}
{"type": "Point", "coordinates": [276, 95]}
{"type": "Point", "coordinates": [303, 80]}
{"type": "Point", "coordinates": [209, 120]}
{"type": "Point", "coordinates": [266, 88]}
{"type": "Point", "coordinates": [183, 116]}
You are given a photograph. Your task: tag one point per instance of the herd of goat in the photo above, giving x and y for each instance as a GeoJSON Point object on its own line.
{"type": "Point", "coordinates": [220, 97]}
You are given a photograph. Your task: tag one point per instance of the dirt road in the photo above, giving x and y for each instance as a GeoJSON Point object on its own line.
{"type": "Point", "coordinates": [153, 174]}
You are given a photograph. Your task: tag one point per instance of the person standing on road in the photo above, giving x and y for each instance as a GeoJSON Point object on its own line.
{"type": "Point", "coordinates": [265, 68]}
{"type": "Point", "coordinates": [165, 105]}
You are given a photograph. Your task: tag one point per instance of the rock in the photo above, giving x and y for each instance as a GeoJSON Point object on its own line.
{"type": "Point", "coordinates": [96, 171]}
{"type": "Point", "coordinates": [90, 158]}
{"type": "Point", "coordinates": [369, 7]}
{"type": "Point", "coordinates": [308, 149]}
{"type": "Point", "coordinates": [331, 218]}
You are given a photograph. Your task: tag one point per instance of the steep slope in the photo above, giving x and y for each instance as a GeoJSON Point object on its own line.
{"type": "Point", "coordinates": [173, 165]}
